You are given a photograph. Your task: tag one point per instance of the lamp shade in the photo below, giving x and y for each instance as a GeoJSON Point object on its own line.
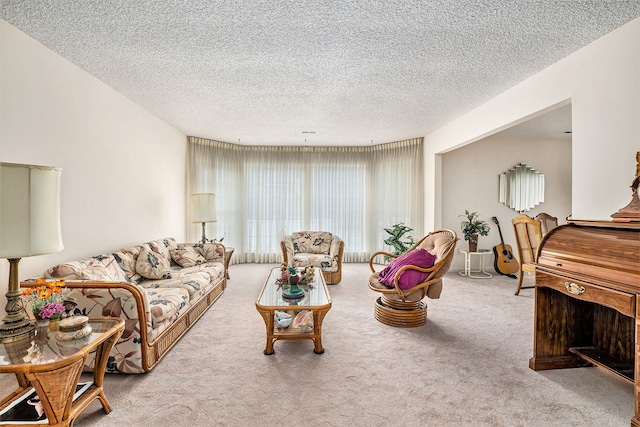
{"type": "Point", "coordinates": [29, 210]}
{"type": "Point", "coordinates": [203, 207]}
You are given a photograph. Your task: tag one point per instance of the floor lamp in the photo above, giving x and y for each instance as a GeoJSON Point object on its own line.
{"type": "Point", "coordinates": [29, 225]}
{"type": "Point", "coordinates": [203, 210]}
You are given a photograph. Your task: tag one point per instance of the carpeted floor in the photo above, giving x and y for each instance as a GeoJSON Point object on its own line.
{"type": "Point", "coordinates": [467, 365]}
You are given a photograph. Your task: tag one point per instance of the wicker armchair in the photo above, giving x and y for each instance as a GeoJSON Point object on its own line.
{"type": "Point", "coordinates": [547, 222]}
{"type": "Point", "coordinates": [528, 232]}
{"type": "Point", "coordinates": [319, 249]}
{"type": "Point", "coordinates": [405, 307]}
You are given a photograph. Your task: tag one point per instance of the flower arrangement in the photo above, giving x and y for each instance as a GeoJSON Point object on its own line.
{"type": "Point", "coordinates": [305, 277]}
{"type": "Point", "coordinates": [46, 299]}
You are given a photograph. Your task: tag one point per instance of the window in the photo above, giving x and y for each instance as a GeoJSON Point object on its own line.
{"type": "Point", "coordinates": [263, 193]}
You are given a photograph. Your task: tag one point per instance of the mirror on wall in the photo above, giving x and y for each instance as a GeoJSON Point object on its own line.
{"type": "Point", "coordinates": [521, 188]}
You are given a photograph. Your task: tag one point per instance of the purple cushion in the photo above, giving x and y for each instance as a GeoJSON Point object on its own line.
{"type": "Point", "coordinates": [409, 278]}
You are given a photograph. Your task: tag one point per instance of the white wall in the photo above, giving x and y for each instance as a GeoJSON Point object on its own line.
{"type": "Point", "coordinates": [602, 82]}
{"type": "Point", "coordinates": [124, 170]}
{"type": "Point", "coordinates": [470, 182]}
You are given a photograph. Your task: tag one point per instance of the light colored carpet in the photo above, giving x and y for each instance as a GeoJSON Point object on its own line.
{"type": "Point", "coordinates": [467, 365]}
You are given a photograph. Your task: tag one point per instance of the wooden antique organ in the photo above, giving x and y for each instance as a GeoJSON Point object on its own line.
{"type": "Point", "coordinates": [587, 306]}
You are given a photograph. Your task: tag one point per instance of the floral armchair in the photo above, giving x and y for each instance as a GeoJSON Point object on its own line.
{"type": "Point", "coordinates": [319, 249]}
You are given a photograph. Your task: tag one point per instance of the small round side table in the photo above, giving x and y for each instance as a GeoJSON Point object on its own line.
{"type": "Point", "coordinates": [481, 253]}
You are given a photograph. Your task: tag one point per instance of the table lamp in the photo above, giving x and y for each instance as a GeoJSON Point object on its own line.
{"type": "Point", "coordinates": [29, 225]}
{"type": "Point", "coordinates": [203, 210]}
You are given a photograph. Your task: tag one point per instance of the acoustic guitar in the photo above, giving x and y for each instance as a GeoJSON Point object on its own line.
{"type": "Point", "coordinates": [504, 262]}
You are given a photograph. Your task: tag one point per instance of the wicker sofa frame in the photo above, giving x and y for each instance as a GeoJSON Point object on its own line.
{"type": "Point", "coordinates": [152, 350]}
{"type": "Point", "coordinates": [142, 346]}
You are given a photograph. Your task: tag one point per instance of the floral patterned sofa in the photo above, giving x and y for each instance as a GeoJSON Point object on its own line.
{"type": "Point", "coordinates": [159, 288]}
{"type": "Point", "coordinates": [320, 249]}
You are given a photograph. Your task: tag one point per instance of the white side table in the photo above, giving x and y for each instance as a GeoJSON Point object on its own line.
{"type": "Point", "coordinates": [467, 264]}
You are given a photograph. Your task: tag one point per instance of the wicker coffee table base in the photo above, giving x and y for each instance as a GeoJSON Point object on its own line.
{"type": "Point", "coordinates": [400, 314]}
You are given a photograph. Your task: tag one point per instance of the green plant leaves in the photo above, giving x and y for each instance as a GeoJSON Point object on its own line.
{"type": "Point", "coordinates": [395, 240]}
{"type": "Point", "coordinates": [472, 226]}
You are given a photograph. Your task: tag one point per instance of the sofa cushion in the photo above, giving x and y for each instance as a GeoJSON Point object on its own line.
{"type": "Point", "coordinates": [165, 303]}
{"type": "Point", "coordinates": [163, 247]}
{"type": "Point", "coordinates": [392, 293]}
{"type": "Point", "coordinates": [113, 269]}
{"type": "Point", "coordinates": [152, 265]}
{"type": "Point", "coordinates": [69, 270]}
{"type": "Point", "coordinates": [311, 242]}
{"type": "Point", "coordinates": [126, 259]}
{"type": "Point", "coordinates": [187, 256]}
{"type": "Point", "coordinates": [94, 272]}
{"type": "Point", "coordinates": [104, 266]}
{"type": "Point", "coordinates": [195, 282]}
{"type": "Point", "coordinates": [437, 244]}
{"type": "Point", "coordinates": [409, 278]}
{"type": "Point", "coordinates": [321, 261]}
{"type": "Point", "coordinates": [211, 252]}
{"type": "Point", "coordinates": [215, 271]}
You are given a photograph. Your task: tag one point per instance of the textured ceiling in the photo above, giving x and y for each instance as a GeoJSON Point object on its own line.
{"type": "Point", "coordinates": [277, 72]}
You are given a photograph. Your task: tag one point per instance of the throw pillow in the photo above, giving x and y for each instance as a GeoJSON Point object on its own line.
{"type": "Point", "coordinates": [95, 272]}
{"type": "Point", "coordinates": [152, 265]}
{"type": "Point", "coordinates": [163, 246]}
{"type": "Point", "coordinates": [301, 241]}
{"type": "Point", "coordinates": [408, 278]}
{"type": "Point", "coordinates": [320, 242]}
{"type": "Point", "coordinates": [211, 252]}
{"type": "Point", "coordinates": [67, 270]}
{"type": "Point", "coordinates": [126, 259]}
{"type": "Point", "coordinates": [311, 242]}
{"type": "Point", "coordinates": [114, 271]}
{"type": "Point", "coordinates": [187, 256]}
{"type": "Point", "coordinates": [70, 270]}
{"type": "Point", "coordinates": [437, 244]}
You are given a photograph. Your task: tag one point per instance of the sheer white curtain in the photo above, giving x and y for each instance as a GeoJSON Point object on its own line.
{"type": "Point", "coordinates": [263, 193]}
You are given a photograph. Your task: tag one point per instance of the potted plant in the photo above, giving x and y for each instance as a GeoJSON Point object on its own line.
{"type": "Point", "coordinates": [472, 227]}
{"type": "Point", "coordinates": [395, 240]}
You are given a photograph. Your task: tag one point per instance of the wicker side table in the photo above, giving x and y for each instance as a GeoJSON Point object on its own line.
{"type": "Point", "coordinates": [54, 374]}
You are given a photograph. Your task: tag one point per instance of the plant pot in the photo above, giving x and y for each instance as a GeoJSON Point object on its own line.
{"type": "Point", "coordinates": [54, 324]}
{"type": "Point", "coordinates": [473, 246]}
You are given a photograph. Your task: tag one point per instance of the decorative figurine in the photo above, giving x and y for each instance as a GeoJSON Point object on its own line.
{"type": "Point", "coordinates": [294, 291]}
{"type": "Point", "coordinates": [282, 319]}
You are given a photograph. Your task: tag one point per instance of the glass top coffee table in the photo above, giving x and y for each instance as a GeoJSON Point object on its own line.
{"type": "Point", "coordinates": [316, 300]}
{"type": "Point", "coordinates": [48, 370]}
